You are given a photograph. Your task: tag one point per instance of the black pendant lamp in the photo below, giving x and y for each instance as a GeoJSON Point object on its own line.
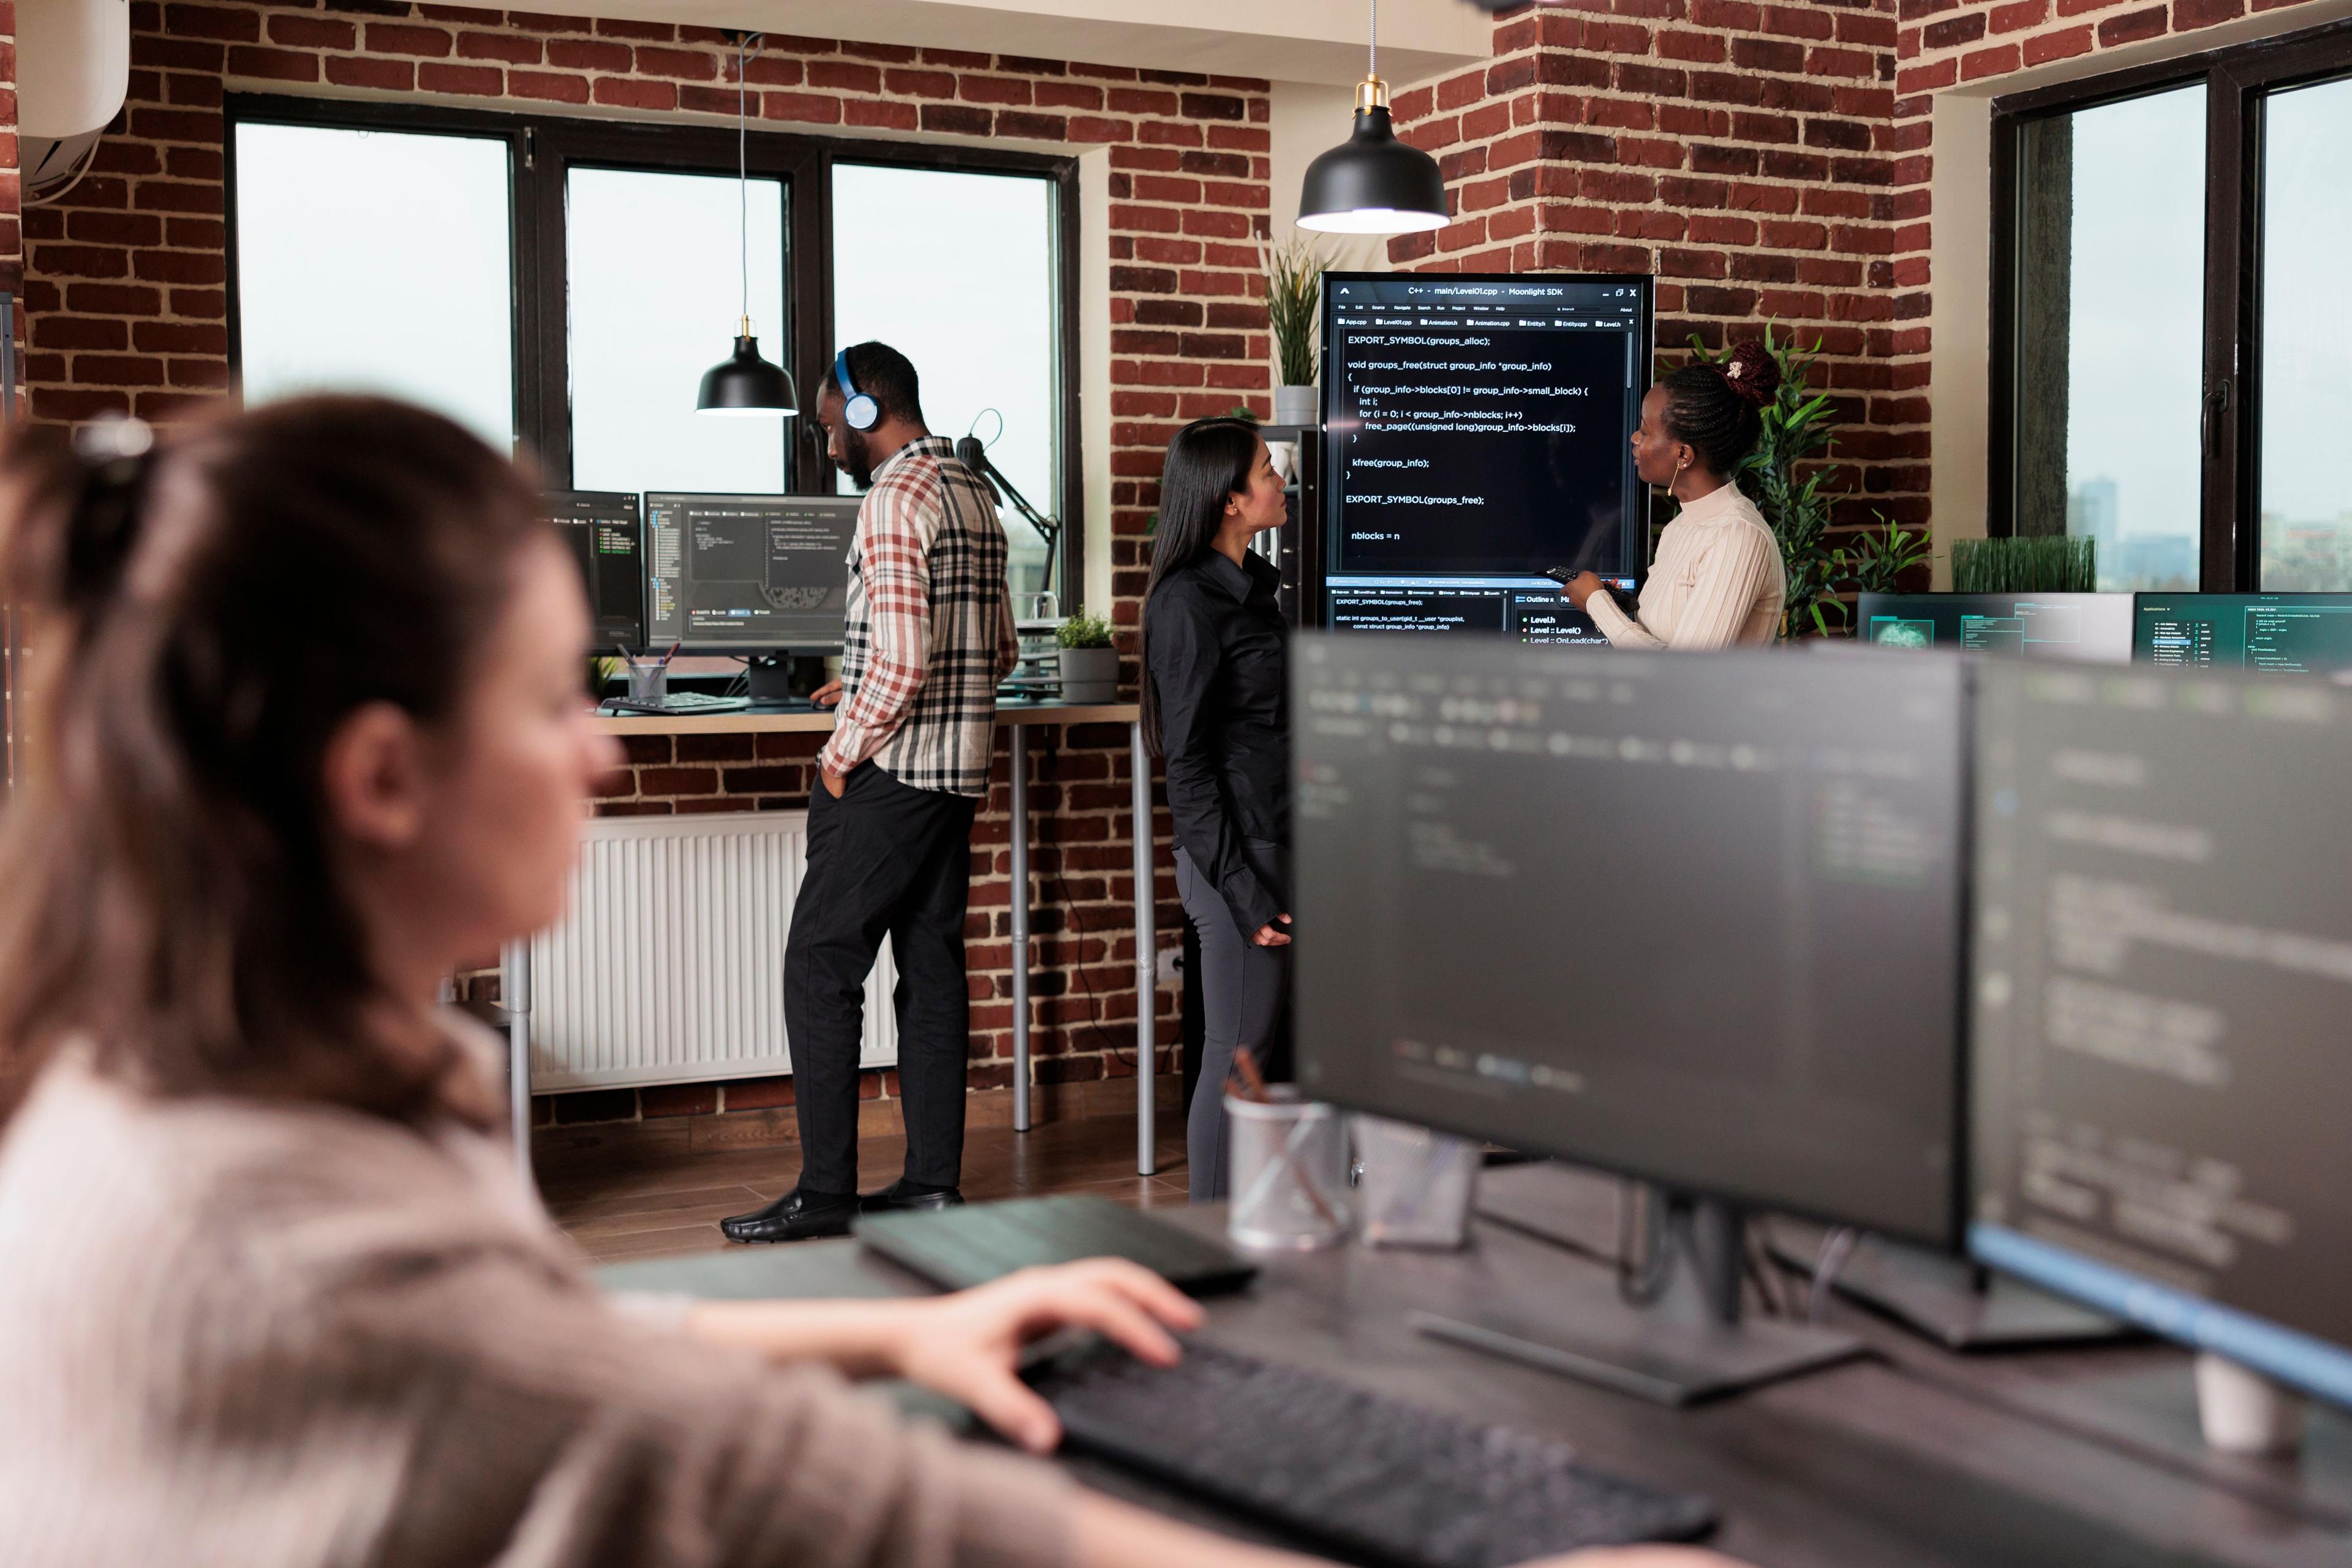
{"type": "Point", "coordinates": [744, 383]}
{"type": "Point", "coordinates": [1374, 184]}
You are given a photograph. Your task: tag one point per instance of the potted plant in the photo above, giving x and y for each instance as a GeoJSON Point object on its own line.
{"type": "Point", "coordinates": [1294, 289]}
{"type": "Point", "coordinates": [1089, 662]}
{"type": "Point", "coordinates": [1797, 431]}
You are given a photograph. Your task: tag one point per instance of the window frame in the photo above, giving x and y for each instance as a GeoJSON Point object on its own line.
{"type": "Point", "coordinates": [2236, 80]}
{"type": "Point", "coordinates": [541, 151]}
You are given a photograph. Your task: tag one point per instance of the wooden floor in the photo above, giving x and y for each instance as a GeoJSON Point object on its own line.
{"type": "Point", "coordinates": [669, 1205]}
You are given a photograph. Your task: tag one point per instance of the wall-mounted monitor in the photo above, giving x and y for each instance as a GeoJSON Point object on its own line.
{"type": "Point", "coordinates": [1476, 434]}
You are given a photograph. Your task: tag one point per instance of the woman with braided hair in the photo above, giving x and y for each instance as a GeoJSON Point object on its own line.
{"type": "Point", "coordinates": [1717, 580]}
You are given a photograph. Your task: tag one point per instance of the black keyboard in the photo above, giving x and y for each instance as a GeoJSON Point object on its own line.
{"type": "Point", "coordinates": [1369, 1477]}
{"type": "Point", "coordinates": [959, 1247]}
{"type": "Point", "coordinates": [682, 704]}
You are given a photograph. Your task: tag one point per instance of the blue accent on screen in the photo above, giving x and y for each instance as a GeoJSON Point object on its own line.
{"type": "Point", "coordinates": [2309, 1364]}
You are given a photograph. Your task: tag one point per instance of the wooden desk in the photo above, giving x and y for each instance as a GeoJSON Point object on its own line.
{"type": "Point", "coordinates": [1916, 1459]}
{"type": "Point", "coordinates": [1017, 718]}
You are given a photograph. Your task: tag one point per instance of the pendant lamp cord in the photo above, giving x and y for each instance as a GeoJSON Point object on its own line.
{"type": "Point", "coordinates": [743, 179]}
{"type": "Point", "coordinates": [1376, 39]}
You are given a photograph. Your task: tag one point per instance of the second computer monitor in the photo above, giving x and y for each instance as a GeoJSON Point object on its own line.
{"type": "Point", "coordinates": [605, 533]}
{"type": "Point", "coordinates": [2261, 633]}
{"type": "Point", "coordinates": [2163, 971]}
{"type": "Point", "coordinates": [747, 574]}
{"type": "Point", "coordinates": [1691, 918]}
{"type": "Point", "coordinates": [2094, 628]}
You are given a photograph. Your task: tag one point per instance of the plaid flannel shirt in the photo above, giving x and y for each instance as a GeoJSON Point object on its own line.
{"type": "Point", "coordinates": [929, 625]}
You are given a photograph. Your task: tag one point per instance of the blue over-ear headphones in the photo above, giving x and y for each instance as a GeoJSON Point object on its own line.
{"type": "Point", "coordinates": [861, 411]}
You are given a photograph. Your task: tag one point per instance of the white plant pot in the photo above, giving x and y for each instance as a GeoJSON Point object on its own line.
{"type": "Point", "coordinates": [1296, 406]}
{"type": "Point", "coordinates": [1090, 674]}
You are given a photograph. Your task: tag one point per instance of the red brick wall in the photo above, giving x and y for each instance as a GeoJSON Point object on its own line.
{"type": "Point", "coordinates": [127, 295]}
{"type": "Point", "coordinates": [1945, 42]}
{"type": "Point", "coordinates": [1745, 154]}
{"type": "Point", "coordinates": [1942, 44]}
{"type": "Point", "coordinates": [12, 192]}
{"type": "Point", "coordinates": [1767, 161]}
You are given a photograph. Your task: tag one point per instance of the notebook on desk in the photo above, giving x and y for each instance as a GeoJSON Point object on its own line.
{"type": "Point", "coordinates": [960, 1247]}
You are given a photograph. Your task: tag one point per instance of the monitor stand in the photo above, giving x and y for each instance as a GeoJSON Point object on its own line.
{"type": "Point", "coordinates": [1956, 1303]}
{"type": "Point", "coordinates": [1690, 1344]}
{"type": "Point", "coordinates": [783, 680]}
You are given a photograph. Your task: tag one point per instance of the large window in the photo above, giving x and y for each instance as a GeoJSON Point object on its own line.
{"type": "Point", "coordinates": [563, 284]}
{"type": "Point", "coordinates": [652, 264]}
{"type": "Point", "coordinates": [2170, 319]}
{"type": "Point", "coordinates": [987, 349]}
{"type": "Point", "coordinates": [370, 261]}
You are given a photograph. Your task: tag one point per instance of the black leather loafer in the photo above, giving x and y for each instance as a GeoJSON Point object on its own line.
{"type": "Point", "coordinates": [793, 1218]}
{"type": "Point", "coordinates": [895, 1199]}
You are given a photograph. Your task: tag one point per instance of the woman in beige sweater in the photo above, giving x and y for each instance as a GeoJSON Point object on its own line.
{"type": "Point", "coordinates": [1717, 581]}
{"type": "Point", "coordinates": [306, 733]}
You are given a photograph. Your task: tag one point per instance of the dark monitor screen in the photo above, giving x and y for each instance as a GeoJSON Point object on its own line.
{"type": "Point", "coordinates": [2094, 628]}
{"type": "Point", "coordinates": [1477, 434]}
{"type": "Point", "coordinates": [2163, 973]}
{"type": "Point", "coordinates": [2264, 634]}
{"type": "Point", "coordinates": [1693, 918]}
{"type": "Point", "coordinates": [606, 538]}
{"type": "Point", "coordinates": [747, 574]}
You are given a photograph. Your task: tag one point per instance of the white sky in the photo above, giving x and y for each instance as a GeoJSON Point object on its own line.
{"type": "Point", "coordinates": [2135, 357]}
{"type": "Point", "coordinates": [655, 285]}
{"type": "Point", "coordinates": [956, 272]}
{"type": "Point", "coordinates": [2306, 309]}
{"type": "Point", "coordinates": [376, 261]}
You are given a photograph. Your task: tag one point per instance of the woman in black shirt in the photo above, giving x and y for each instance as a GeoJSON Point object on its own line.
{"type": "Point", "coordinates": [1214, 710]}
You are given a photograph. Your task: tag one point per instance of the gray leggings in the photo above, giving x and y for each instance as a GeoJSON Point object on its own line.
{"type": "Point", "coordinates": [1242, 991]}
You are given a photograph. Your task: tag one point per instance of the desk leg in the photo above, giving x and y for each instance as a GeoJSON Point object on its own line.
{"type": "Point", "coordinates": [514, 989]}
{"type": "Point", "coordinates": [1147, 957]}
{"type": "Point", "coordinates": [1020, 928]}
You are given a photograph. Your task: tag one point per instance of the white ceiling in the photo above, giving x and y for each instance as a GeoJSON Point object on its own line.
{"type": "Point", "coordinates": [1286, 40]}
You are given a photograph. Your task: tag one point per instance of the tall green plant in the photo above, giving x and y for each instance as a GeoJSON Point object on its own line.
{"type": "Point", "coordinates": [1798, 429]}
{"type": "Point", "coordinates": [1294, 289]}
{"type": "Point", "coordinates": [2046, 563]}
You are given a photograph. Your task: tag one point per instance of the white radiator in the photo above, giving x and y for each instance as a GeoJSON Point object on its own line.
{"type": "Point", "coordinates": [668, 966]}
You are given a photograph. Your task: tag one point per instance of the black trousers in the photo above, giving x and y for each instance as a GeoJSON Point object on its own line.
{"type": "Point", "coordinates": [1244, 997]}
{"type": "Point", "coordinates": [885, 859]}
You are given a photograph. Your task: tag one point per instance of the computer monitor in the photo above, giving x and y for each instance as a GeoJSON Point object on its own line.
{"type": "Point", "coordinates": [1477, 434]}
{"type": "Point", "coordinates": [2263, 633]}
{"type": "Point", "coordinates": [747, 574]}
{"type": "Point", "coordinates": [2094, 628]}
{"type": "Point", "coordinates": [2163, 966]}
{"type": "Point", "coordinates": [605, 533]}
{"type": "Point", "coordinates": [1693, 919]}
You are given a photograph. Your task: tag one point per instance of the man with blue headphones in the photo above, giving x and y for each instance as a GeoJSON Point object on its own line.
{"type": "Point", "coordinates": [889, 837]}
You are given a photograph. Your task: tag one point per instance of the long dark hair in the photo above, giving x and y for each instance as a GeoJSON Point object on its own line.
{"type": "Point", "coordinates": [205, 618]}
{"type": "Point", "coordinates": [1209, 461]}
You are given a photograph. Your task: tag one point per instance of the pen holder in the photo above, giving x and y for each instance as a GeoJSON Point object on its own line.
{"type": "Point", "coordinates": [648, 680]}
{"type": "Point", "coordinates": [1289, 1172]}
{"type": "Point", "coordinates": [1417, 1186]}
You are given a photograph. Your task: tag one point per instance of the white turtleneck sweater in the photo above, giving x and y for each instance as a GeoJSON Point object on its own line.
{"type": "Point", "coordinates": [1718, 581]}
